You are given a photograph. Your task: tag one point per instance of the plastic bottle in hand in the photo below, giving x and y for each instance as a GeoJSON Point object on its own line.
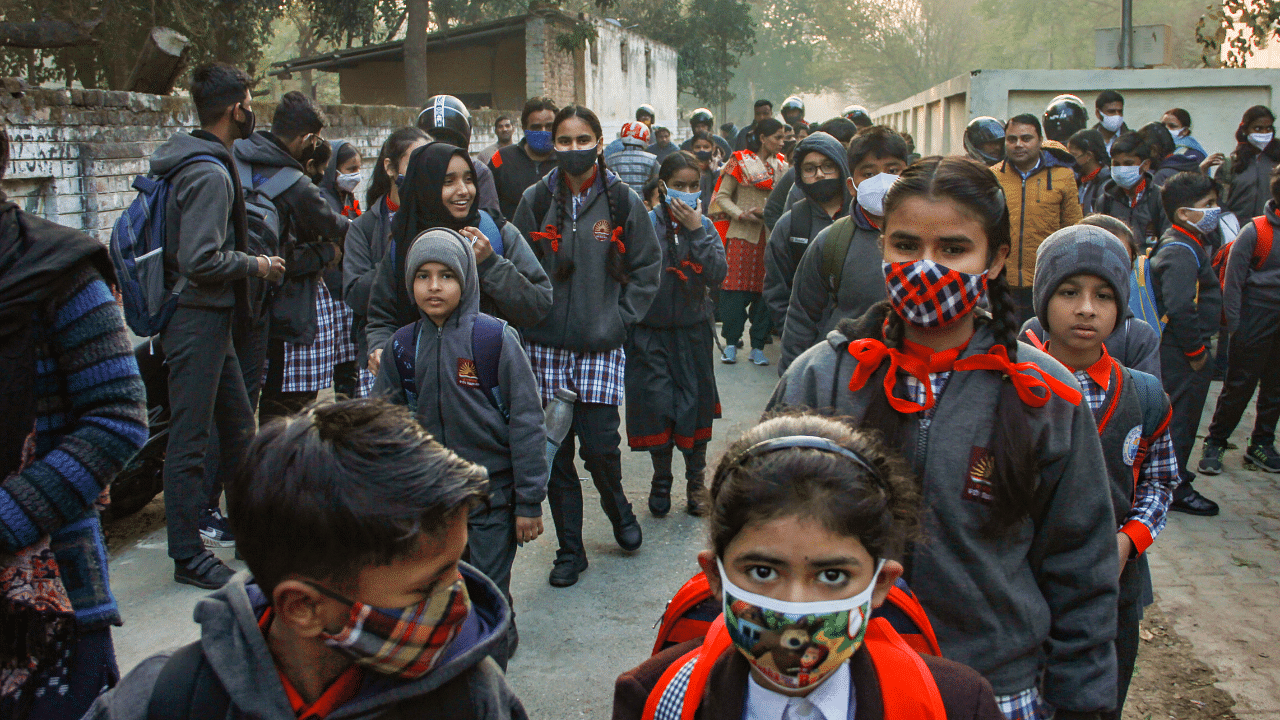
{"type": "Point", "coordinates": [559, 417]}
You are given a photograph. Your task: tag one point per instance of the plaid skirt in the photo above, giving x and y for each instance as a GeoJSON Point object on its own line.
{"type": "Point", "coordinates": [596, 377]}
{"type": "Point", "coordinates": [344, 346]}
{"type": "Point", "coordinates": [308, 368]}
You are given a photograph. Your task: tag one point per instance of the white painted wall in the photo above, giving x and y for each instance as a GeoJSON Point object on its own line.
{"type": "Point", "coordinates": [1216, 98]}
{"type": "Point", "coordinates": [614, 93]}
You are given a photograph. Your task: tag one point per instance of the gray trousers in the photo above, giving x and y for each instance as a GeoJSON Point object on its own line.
{"type": "Point", "coordinates": [206, 388]}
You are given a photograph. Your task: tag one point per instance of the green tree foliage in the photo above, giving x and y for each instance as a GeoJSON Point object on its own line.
{"type": "Point", "coordinates": [233, 31]}
{"type": "Point", "coordinates": [1230, 33]}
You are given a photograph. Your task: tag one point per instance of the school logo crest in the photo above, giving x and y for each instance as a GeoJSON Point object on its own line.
{"type": "Point", "coordinates": [467, 376]}
{"type": "Point", "coordinates": [1129, 453]}
{"type": "Point", "coordinates": [977, 486]}
{"type": "Point", "coordinates": [603, 230]}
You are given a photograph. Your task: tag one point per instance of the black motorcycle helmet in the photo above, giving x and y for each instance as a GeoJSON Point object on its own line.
{"type": "Point", "coordinates": [446, 118]}
{"type": "Point", "coordinates": [647, 109]}
{"type": "Point", "coordinates": [703, 116]}
{"type": "Point", "coordinates": [981, 136]}
{"type": "Point", "coordinates": [858, 115]}
{"type": "Point", "coordinates": [792, 103]}
{"type": "Point", "coordinates": [1064, 117]}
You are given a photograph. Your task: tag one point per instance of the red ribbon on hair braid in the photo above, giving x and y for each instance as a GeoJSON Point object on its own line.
{"type": "Point", "coordinates": [616, 239]}
{"type": "Point", "coordinates": [552, 234]}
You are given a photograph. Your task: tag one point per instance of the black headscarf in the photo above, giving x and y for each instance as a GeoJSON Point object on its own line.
{"type": "Point", "coordinates": [422, 204]}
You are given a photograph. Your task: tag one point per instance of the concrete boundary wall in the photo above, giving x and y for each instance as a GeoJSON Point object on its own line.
{"type": "Point", "coordinates": [74, 153]}
{"type": "Point", "coordinates": [1216, 98]}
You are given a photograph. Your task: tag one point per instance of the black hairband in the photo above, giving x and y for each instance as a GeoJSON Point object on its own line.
{"type": "Point", "coordinates": [810, 442]}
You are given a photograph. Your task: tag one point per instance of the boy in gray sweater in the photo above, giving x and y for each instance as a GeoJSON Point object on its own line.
{"type": "Point", "coordinates": [500, 427]}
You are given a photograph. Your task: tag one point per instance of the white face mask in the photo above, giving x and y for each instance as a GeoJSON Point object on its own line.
{"type": "Point", "coordinates": [348, 182]}
{"type": "Point", "coordinates": [871, 192]}
{"type": "Point", "coordinates": [1112, 123]}
{"type": "Point", "coordinates": [1126, 176]}
{"type": "Point", "coordinates": [1260, 140]}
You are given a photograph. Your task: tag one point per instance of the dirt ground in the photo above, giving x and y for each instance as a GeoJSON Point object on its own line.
{"type": "Point", "coordinates": [1169, 681]}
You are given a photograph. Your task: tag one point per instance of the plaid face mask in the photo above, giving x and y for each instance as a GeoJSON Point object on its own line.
{"type": "Point", "coordinates": [929, 295]}
{"type": "Point", "coordinates": [402, 642]}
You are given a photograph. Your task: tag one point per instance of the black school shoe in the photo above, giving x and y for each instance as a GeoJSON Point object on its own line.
{"type": "Point", "coordinates": [1262, 457]}
{"type": "Point", "coordinates": [628, 534]}
{"type": "Point", "coordinates": [566, 571]}
{"type": "Point", "coordinates": [203, 571]}
{"type": "Point", "coordinates": [1195, 504]}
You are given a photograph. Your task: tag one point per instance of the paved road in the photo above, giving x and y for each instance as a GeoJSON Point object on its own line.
{"type": "Point", "coordinates": [573, 642]}
{"type": "Point", "coordinates": [1218, 578]}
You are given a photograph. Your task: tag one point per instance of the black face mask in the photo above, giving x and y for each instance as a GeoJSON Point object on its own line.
{"type": "Point", "coordinates": [824, 189]}
{"type": "Point", "coordinates": [576, 162]}
{"type": "Point", "coordinates": [703, 155]}
{"type": "Point", "coordinates": [246, 126]}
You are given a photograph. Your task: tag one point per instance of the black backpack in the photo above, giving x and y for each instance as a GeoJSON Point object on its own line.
{"type": "Point", "coordinates": [486, 351]}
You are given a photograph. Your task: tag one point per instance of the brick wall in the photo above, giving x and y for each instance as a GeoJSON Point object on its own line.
{"type": "Point", "coordinates": [74, 153]}
{"type": "Point", "coordinates": [549, 70]}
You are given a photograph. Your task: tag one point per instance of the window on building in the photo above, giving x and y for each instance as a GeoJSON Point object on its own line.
{"type": "Point", "coordinates": [624, 55]}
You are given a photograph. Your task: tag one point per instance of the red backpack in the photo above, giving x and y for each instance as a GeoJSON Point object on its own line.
{"type": "Point", "coordinates": [693, 609]}
{"type": "Point", "coordinates": [1261, 249]}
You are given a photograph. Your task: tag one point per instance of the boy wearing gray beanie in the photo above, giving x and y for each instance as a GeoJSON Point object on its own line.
{"type": "Point", "coordinates": [1081, 292]}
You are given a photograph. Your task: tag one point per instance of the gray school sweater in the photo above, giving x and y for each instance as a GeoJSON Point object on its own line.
{"type": "Point", "coordinates": [1042, 596]}
{"type": "Point", "coordinates": [1244, 286]}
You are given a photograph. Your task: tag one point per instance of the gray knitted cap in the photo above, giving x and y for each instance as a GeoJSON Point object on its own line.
{"type": "Point", "coordinates": [1080, 250]}
{"type": "Point", "coordinates": [451, 249]}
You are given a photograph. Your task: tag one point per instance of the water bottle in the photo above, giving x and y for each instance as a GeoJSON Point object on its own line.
{"type": "Point", "coordinates": [559, 417]}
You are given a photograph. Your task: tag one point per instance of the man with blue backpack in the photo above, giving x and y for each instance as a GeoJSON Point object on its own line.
{"type": "Point", "coordinates": [205, 268]}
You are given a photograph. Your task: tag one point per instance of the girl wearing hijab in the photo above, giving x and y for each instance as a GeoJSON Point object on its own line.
{"type": "Point", "coordinates": [738, 211]}
{"type": "Point", "coordinates": [439, 190]}
{"type": "Point", "coordinates": [1247, 172]}
{"type": "Point", "coordinates": [338, 187]}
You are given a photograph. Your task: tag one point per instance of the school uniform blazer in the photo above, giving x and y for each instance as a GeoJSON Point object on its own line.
{"type": "Point", "coordinates": [1042, 596]}
{"type": "Point", "coordinates": [965, 695]}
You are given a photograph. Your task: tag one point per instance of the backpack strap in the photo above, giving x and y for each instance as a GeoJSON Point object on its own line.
{"type": "Point", "coordinates": [486, 350]}
{"type": "Point", "coordinates": [202, 157]}
{"type": "Point", "coordinates": [834, 249]}
{"type": "Point", "coordinates": [906, 684]}
{"type": "Point", "coordinates": [187, 688]}
{"type": "Point", "coordinates": [1262, 246]}
{"type": "Point", "coordinates": [679, 690]}
{"type": "Point", "coordinates": [492, 232]}
{"type": "Point", "coordinates": [901, 598]}
{"type": "Point", "coordinates": [1034, 340]}
{"type": "Point", "coordinates": [801, 227]}
{"type": "Point", "coordinates": [542, 199]}
{"type": "Point", "coordinates": [404, 348]}
{"type": "Point", "coordinates": [1190, 249]}
{"type": "Point", "coordinates": [275, 186]}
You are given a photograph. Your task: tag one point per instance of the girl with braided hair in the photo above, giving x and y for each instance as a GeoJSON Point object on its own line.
{"type": "Point", "coordinates": [671, 383]}
{"type": "Point", "coordinates": [593, 236]}
{"type": "Point", "coordinates": [1018, 567]}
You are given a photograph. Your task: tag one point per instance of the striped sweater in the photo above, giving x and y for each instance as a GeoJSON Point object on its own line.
{"type": "Point", "coordinates": [90, 419]}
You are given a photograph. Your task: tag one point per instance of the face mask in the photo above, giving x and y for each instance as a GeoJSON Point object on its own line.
{"type": "Point", "coordinates": [703, 155]}
{"type": "Point", "coordinates": [1208, 220]}
{"type": "Point", "coordinates": [348, 182]}
{"type": "Point", "coordinates": [928, 295]}
{"type": "Point", "coordinates": [577, 162]}
{"type": "Point", "coordinates": [871, 192]}
{"type": "Point", "coordinates": [824, 189]}
{"type": "Point", "coordinates": [688, 198]}
{"type": "Point", "coordinates": [401, 642]}
{"type": "Point", "coordinates": [795, 645]}
{"type": "Point", "coordinates": [245, 128]}
{"type": "Point", "coordinates": [1113, 123]}
{"type": "Point", "coordinates": [1126, 176]}
{"type": "Point", "coordinates": [539, 141]}
{"type": "Point", "coordinates": [1260, 140]}
{"type": "Point", "coordinates": [1182, 140]}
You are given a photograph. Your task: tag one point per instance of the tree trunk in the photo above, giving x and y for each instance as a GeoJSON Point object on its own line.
{"type": "Point", "coordinates": [159, 63]}
{"type": "Point", "coordinates": [48, 33]}
{"type": "Point", "coordinates": [416, 87]}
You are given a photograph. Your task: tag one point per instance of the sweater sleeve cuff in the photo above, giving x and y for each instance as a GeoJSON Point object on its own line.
{"type": "Point", "coordinates": [488, 263]}
{"type": "Point", "coordinates": [529, 510]}
{"type": "Point", "coordinates": [1139, 534]}
{"type": "Point", "coordinates": [1195, 353]}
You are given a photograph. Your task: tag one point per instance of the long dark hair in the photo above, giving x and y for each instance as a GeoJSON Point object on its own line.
{"type": "Point", "coordinates": [880, 509]}
{"type": "Point", "coordinates": [974, 187]}
{"type": "Point", "coordinates": [1245, 152]}
{"type": "Point", "coordinates": [564, 264]}
{"type": "Point", "coordinates": [394, 149]}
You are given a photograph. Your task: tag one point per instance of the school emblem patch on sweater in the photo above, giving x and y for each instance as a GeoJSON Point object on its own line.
{"type": "Point", "coordinates": [603, 230]}
{"type": "Point", "coordinates": [467, 376]}
{"type": "Point", "coordinates": [977, 486]}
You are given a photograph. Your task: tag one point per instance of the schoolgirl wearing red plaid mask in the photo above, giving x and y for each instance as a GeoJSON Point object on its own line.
{"type": "Point", "coordinates": [1018, 569]}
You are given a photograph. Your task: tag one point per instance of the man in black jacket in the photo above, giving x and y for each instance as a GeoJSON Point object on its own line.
{"type": "Point", "coordinates": [206, 260]}
{"type": "Point", "coordinates": [518, 167]}
{"type": "Point", "coordinates": [310, 240]}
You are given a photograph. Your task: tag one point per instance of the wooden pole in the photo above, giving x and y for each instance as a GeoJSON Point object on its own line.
{"type": "Point", "coordinates": [159, 63]}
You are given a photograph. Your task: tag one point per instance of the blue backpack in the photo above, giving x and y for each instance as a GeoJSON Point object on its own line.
{"type": "Point", "coordinates": [486, 351]}
{"type": "Point", "coordinates": [137, 251]}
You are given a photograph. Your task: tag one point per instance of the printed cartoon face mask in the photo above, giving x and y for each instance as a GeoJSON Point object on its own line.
{"type": "Point", "coordinates": [795, 644]}
{"type": "Point", "coordinates": [401, 642]}
{"type": "Point", "coordinates": [929, 295]}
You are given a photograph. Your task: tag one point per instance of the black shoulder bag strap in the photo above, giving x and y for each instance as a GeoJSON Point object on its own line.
{"type": "Point", "coordinates": [187, 688]}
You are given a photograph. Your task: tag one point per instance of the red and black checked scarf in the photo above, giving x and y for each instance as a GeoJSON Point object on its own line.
{"type": "Point", "coordinates": [928, 295]}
